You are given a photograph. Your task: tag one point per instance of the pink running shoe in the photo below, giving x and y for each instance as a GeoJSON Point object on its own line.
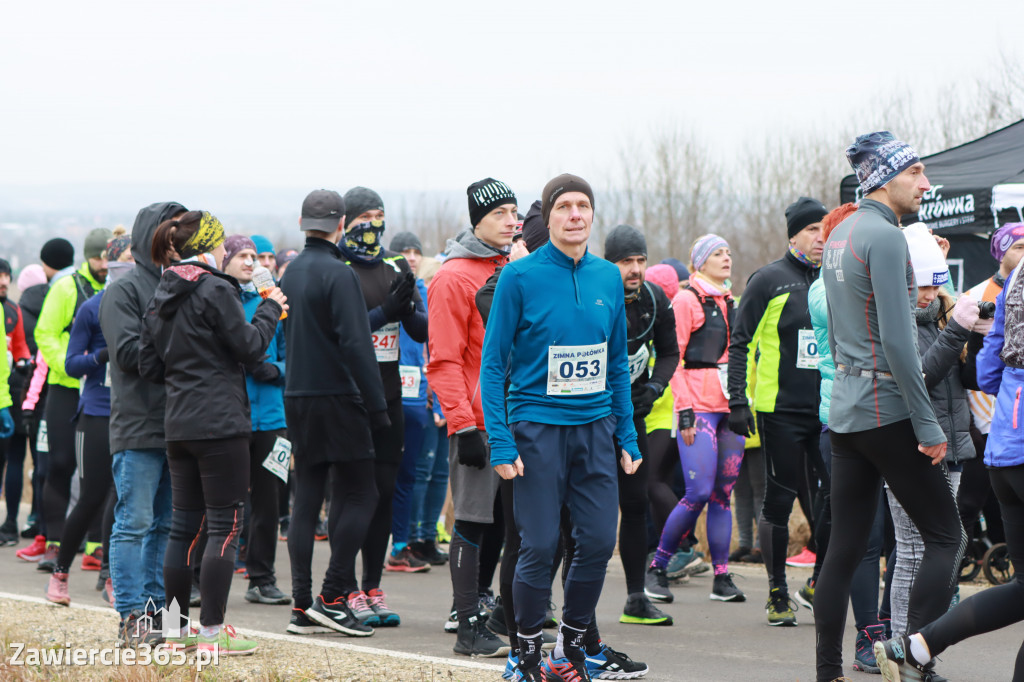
{"type": "Point", "coordinates": [57, 589]}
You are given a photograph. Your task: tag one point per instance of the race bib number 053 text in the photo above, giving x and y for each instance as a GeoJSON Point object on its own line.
{"type": "Point", "coordinates": [577, 370]}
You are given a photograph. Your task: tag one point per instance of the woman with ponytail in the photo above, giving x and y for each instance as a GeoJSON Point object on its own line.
{"type": "Point", "coordinates": [196, 341]}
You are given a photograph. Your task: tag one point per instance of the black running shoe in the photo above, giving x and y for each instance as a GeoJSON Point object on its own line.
{"type": "Point", "coordinates": [609, 664]}
{"type": "Point", "coordinates": [266, 594]}
{"type": "Point", "coordinates": [656, 585]}
{"type": "Point", "coordinates": [898, 665]}
{"type": "Point", "coordinates": [725, 590]}
{"type": "Point", "coordinates": [301, 624]}
{"type": "Point", "coordinates": [9, 533]}
{"type": "Point", "coordinates": [194, 597]}
{"type": "Point", "coordinates": [474, 639]}
{"type": "Point", "coordinates": [337, 616]}
{"type": "Point", "coordinates": [101, 580]}
{"type": "Point", "coordinates": [640, 611]}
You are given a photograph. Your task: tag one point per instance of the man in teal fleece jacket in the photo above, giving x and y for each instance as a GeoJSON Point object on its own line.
{"type": "Point", "coordinates": [557, 330]}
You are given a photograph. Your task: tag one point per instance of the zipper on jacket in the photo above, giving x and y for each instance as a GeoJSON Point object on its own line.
{"type": "Point", "coordinates": [1016, 407]}
{"type": "Point", "coordinates": [576, 282]}
{"type": "Point", "coordinates": [949, 413]}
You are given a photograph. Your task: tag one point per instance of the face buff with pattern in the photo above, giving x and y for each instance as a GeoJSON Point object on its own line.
{"type": "Point", "coordinates": [362, 241]}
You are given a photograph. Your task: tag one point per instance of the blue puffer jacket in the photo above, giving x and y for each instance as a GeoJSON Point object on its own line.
{"type": "Point", "coordinates": [266, 400]}
{"type": "Point", "coordinates": [818, 305]}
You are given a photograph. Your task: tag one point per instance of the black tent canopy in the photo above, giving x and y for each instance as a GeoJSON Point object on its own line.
{"type": "Point", "coordinates": [976, 187]}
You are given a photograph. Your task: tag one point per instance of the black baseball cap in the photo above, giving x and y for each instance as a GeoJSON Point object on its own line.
{"type": "Point", "coordinates": [322, 209]}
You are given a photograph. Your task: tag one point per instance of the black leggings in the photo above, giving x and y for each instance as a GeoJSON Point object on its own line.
{"type": "Point", "coordinates": [353, 501]}
{"type": "Point", "coordinates": [474, 553]}
{"type": "Point", "coordinates": [61, 408]}
{"type": "Point", "coordinates": [209, 480]}
{"type": "Point", "coordinates": [998, 606]}
{"type": "Point", "coordinates": [387, 445]}
{"type": "Point", "coordinates": [662, 459]}
{"type": "Point", "coordinates": [14, 459]}
{"type": "Point", "coordinates": [633, 504]}
{"type": "Point", "coordinates": [265, 487]}
{"type": "Point", "coordinates": [97, 495]}
{"type": "Point", "coordinates": [858, 460]}
{"type": "Point", "coordinates": [509, 558]}
{"type": "Point", "coordinates": [788, 441]}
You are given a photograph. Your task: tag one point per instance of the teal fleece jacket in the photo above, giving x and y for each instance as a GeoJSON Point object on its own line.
{"type": "Point", "coordinates": [542, 301]}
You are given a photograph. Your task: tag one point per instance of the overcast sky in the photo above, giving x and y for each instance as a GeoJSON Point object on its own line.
{"type": "Point", "coordinates": [434, 95]}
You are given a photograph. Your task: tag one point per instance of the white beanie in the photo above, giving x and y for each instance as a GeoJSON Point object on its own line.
{"type": "Point", "coordinates": [930, 267]}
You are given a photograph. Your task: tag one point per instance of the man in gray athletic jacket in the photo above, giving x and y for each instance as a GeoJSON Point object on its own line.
{"type": "Point", "coordinates": [881, 418]}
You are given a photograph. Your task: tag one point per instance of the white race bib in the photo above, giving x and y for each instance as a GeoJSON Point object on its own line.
{"type": "Point", "coordinates": [723, 378]}
{"type": "Point", "coordinates": [411, 377]}
{"type": "Point", "coordinates": [638, 363]}
{"type": "Point", "coordinates": [385, 343]}
{"type": "Point", "coordinates": [279, 458]}
{"type": "Point", "coordinates": [806, 350]}
{"type": "Point", "coordinates": [577, 370]}
{"type": "Point", "coordinates": [106, 375]}
{"type": "Point", "coordinates": [42, 442]}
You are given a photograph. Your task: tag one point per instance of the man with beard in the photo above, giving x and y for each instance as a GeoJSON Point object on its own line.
{"type": "Point", "coordinates": [65, 297]}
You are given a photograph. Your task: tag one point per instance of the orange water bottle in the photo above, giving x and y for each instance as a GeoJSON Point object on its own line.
{"type": "Point", "coordinates": [263, 280]}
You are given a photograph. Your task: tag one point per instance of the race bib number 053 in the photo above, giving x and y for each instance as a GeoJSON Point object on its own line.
{"type": "Point", "coordinates": [385, 343]}
{"type": "Point", "coordinates": [577, 370]}
{"type": "Point", "coordinates": [807, 350]}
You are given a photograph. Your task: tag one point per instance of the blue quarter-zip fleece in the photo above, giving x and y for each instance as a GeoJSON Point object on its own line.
{"type": "Point", "coordinates": [544, 300]}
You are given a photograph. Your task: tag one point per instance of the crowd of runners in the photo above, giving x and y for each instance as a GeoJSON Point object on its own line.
{"type": "Point", "coordinates": [190, 397]}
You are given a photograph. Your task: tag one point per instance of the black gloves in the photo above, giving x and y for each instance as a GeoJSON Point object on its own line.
{"type": "Point", "coordinates": [29, 421]}
{"type": "Point", "coordinates": [687, 419]}
{"type": "Point", "coordinates": [103, 356]}
{"type": "Point", "coordinates": [399, 302]}
{"type": "Point", "coordinates": [379, 420]}
{"type": "Point", "coordinates": [644, 397]}
{"type": "Point", "coordinates": [741, 421]}
{"type": "Point", "coordinates": [266, 373]}
{"type": "Point", "coordinates": [471, 449]}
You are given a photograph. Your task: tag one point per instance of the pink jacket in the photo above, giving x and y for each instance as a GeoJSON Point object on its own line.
{"type": "Point", "coordinates": [35, 387]}
{"type": "Point", "coordinates": [696, 389]}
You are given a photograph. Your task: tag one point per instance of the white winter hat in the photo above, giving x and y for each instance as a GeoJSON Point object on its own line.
{"type": "Point", "coordinates": [930, 267]}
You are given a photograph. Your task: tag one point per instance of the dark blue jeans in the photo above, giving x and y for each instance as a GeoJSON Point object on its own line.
{"type": "Point", "coordinates": [574, 466]}
{"type": "Point", "coordinates": [142, 522]}
{"type": "Point", "coordinates": [417, 419]}
{"type": "Point", "coordinates": [431, 485]}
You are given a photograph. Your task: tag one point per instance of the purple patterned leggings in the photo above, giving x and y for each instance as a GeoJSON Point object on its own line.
{"type": "Point", "coordinates": [710, 467]}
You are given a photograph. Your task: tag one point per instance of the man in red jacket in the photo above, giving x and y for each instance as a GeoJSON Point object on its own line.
{"type": "Point", "coordinates": [456, 340]}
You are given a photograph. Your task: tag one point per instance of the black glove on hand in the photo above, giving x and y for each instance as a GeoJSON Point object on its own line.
{"type": "Point", "coordinates": [687, 419]}
{"type": "Point", "coordinates": [28, 420]}
{"type": "Point", "coordinates": [741, 421]}
{"type": "Point", "coordinates": [266, 373]}
{"type": "Point", "coordinates": [379, 420]}
{"type": "Point", "coordinates": [399, 298]}
{"type": "Point", "coordinates": [644, 398]}
{"type": "Point", "coordinates": [103, 356]}
{"type": "Point", "coordinates": [471, 449]}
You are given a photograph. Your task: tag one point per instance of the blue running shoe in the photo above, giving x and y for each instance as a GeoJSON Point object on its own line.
{"type": "Point", "coordinates": [680, 562]}
{"type": "Point", "coordinates": [609, 664]}
{"type": "Point", "coordinates": [512, 668]}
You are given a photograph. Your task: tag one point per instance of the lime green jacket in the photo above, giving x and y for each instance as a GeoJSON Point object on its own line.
{"type": "Point", "coordinates": [54, 326]}
{"type": "Point", "coordinates": [5, 372]}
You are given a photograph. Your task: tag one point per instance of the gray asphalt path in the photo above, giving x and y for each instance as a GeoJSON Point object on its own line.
{"type": "Point", "coordinates": [709, 641]}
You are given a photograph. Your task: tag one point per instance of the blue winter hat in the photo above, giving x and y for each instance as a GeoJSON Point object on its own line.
{"type": "Point", "coordinates": [877, 158]}
{"type": "Point", "coordinates": [263, 245]}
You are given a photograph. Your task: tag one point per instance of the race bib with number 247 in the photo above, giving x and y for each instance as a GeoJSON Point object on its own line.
{"type": "Point", "coordinates": [385, 343]}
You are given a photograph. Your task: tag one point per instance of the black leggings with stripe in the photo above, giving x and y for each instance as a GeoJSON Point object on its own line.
{"type": "Point", "coordinates": [209, 482]}
{"type": "Point", "coordinates": [97, 495]}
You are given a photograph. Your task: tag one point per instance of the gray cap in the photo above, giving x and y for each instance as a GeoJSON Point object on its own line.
{"type": "Point", "coordinates": [405, 240]}
{"type": "Point", "coordinates": [322, 210]}
{"type": "Point", "coordinates": [96, 242]}
{"type": "Point", "coordinates": [359, 200]}
{"type": "Point", "coordinates": [624, 241]}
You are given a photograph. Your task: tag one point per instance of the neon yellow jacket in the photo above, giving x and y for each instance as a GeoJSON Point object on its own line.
{"type": "Point", "coordinates": [5, 372]}
{"type": "Point", "coordinates": [54, 326]}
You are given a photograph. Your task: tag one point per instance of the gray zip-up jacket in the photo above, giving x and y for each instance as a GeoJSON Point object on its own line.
{"type": "Point", "coordinates": [136, 405]}
{"type": "Point", "coordinates": [871, 293]}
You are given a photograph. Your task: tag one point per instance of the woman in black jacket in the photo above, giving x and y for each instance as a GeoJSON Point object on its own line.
{"type": "Point", "coordinates": [196, 341]}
